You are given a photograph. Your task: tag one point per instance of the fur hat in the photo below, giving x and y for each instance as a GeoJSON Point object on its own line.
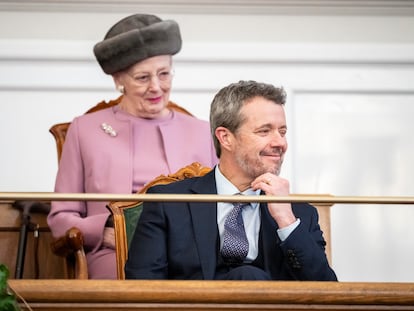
{"type": "Point", "coordinates": [136, 38]}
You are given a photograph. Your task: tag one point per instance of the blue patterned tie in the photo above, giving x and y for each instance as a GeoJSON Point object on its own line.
{"type": "Point", "coordinates": [235, 243]}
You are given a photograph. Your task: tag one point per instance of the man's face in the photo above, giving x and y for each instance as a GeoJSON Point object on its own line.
{"type": "Point", "coordinates": [260, 141]}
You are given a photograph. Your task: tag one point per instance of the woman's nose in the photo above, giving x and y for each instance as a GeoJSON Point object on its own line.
{"type": "Point", "coordinates": [154, 83]}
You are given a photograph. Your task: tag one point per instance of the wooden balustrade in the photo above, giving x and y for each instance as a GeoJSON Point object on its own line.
{"type": "Point", "coordinates": [51, 265]}
{"type": "Point", "coordinates": [106, 197]}
{"type": "Point", "coordinates": [59, 294]}
{"type": "Point", "coordinates": [47, 295]}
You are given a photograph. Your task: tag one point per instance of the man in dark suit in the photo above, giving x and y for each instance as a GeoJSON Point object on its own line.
{"type": "Point", "coordinates": [222, 241]}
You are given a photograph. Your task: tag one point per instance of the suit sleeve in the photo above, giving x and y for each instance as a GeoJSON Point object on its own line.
{"type": "Point", "coordinates": [304, 250]}
{"type": "Point", "coordinates": [147, 258]}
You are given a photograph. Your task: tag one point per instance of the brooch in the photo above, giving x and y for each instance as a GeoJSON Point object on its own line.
{"type": "Point", "coordinates": [108, 129]}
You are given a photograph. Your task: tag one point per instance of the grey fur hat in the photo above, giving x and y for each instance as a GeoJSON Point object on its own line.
{"type": "Point", "coordinates": [136, 38]}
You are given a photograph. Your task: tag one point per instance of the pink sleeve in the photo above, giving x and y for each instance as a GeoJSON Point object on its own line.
{"type": "Point", "coordinates": [70, 179]}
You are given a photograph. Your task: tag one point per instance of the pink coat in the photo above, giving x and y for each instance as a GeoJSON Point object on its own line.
{"type": "Point", "coordinates": [95, 162]}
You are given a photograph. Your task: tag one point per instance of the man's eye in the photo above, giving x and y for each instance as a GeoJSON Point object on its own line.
{"type": "Point", "coordinates": [264, 131]}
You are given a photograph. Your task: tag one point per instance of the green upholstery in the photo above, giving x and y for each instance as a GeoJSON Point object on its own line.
{"type": "Point", "coordinates": [132, 215]}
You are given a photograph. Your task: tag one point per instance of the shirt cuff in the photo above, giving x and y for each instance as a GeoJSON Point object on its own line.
{"type": "Point", "coordinates": [286, 231]}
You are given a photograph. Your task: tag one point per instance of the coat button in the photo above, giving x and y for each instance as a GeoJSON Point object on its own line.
{"type": "Point", "coordinates": [292, 260]}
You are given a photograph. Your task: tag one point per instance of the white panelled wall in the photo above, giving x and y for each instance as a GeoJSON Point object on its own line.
{"type": "Point", "coordinates": [350, 107]}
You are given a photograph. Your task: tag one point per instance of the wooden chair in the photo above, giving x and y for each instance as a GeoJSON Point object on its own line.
{"type": "Point", "coordinates": [126, 215]}
{"type": "Point", "coordinates": [70, 246]}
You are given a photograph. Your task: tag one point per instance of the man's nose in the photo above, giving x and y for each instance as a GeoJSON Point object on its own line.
{"type": "Point", "coordinates": [278, 140]}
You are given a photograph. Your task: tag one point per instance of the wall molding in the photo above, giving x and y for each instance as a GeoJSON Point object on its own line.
{"type": "Point", "coordinates": [234, 52]}
{"type": "Point", "coordinates": [312, 7]}
{"type": "Point", "coordinates": [69, 66]}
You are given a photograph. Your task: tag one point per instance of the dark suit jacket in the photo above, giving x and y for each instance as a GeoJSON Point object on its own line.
{"type": "Point", "coordinates": [176, 240]}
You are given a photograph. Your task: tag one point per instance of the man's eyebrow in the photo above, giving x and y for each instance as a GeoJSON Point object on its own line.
{"type": "Point", "coordinates": [269, 125]}
{"type": "Point", "coordinates": [265, 125]}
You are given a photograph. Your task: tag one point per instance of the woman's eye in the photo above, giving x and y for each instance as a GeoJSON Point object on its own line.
{"type": "Point", "coordinates": [164, 75]}
{"type": "Point", "coordinates": [142, 78]}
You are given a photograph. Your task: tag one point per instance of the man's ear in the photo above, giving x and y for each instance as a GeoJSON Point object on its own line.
{"type": "Point", "coordinates": [225, 137]}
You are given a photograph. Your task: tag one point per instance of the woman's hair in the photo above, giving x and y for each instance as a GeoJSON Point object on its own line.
{"type": "Point", "coordinates": [227, 103]}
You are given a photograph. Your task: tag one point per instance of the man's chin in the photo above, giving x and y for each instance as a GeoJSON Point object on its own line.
{"type": "Point", "coordinates": [274, 169]}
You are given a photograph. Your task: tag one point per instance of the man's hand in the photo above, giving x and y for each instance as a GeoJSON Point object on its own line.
{"type": "Point", "coordinates": [274, 185]}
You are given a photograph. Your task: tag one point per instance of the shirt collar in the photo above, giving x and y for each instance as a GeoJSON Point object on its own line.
{"type": "Point", "coordinates": [225, 187]}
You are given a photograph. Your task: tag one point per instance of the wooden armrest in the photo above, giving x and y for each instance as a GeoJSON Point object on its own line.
{"type": "Point", "coordinates": [70, 246]}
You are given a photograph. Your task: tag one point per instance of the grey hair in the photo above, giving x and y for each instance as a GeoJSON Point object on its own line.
{"type": "Point", "coordinates": [227, 103]}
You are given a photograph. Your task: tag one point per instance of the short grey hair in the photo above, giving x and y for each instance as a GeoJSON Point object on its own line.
{"type": "Point", "coordinates": [227, 103]}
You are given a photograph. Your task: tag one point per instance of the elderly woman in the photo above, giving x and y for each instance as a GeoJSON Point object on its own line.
{"type": "Point", "coordinates": [119, 149]}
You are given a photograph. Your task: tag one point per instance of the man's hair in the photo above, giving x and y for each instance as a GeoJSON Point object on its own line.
{"type": "Point", "coordinates": [227, 103]}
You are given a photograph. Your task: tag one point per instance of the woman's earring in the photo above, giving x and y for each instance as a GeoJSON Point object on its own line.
{"type": "Point", "coordinates": [121, 89]}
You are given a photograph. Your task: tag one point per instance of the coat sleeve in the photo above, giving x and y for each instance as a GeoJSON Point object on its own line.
{"type": "Point", "coordinates": [147, 258]}
{"type": "Point", "coordinates": [70, 179]}
{"type": "Point", "coordinates": [304, 249]}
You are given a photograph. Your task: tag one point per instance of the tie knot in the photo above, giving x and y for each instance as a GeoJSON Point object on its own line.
{"type": "Point", "coordinates": [240, 205]}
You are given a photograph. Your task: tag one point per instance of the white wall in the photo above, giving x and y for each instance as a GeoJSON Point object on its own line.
{"type": "Point", "coordinates": [349, 73]}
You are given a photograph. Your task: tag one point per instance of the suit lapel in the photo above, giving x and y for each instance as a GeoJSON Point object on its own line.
{"type": "Point", "coordinates": [204, 217]}
{"type": "Point", "coordinates": [268, 238]}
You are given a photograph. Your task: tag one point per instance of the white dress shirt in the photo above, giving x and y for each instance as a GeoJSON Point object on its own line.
{"type": "Point", "coordinates": [250, 214]}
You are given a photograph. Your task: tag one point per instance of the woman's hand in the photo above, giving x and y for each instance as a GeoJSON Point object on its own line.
{"type": "Point", "coordinates": [109, 238]}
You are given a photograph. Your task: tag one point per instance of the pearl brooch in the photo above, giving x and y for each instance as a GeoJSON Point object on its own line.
{"type": "Point", "coordinates": [108, 129]}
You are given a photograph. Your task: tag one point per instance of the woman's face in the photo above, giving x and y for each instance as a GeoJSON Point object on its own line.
{"type": "Point", "coordinates": [147, 86]}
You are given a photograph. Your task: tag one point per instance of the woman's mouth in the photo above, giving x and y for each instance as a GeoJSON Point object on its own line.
{"type": "Point", "coordinates": [155, 100]}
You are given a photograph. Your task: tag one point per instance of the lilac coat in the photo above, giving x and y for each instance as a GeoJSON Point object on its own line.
{"type": "Point", "coordinates": [94, 162]}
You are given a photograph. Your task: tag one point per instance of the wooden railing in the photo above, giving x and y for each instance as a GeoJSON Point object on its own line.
{"type": "Point", "coordinates": [50, 196]}
{"type": "Point", "coordinates": [47, 295]}
{"type": "Point", "coordinates": [10, 221]}
{"type": "Point", "coordinates": [58, 294]}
